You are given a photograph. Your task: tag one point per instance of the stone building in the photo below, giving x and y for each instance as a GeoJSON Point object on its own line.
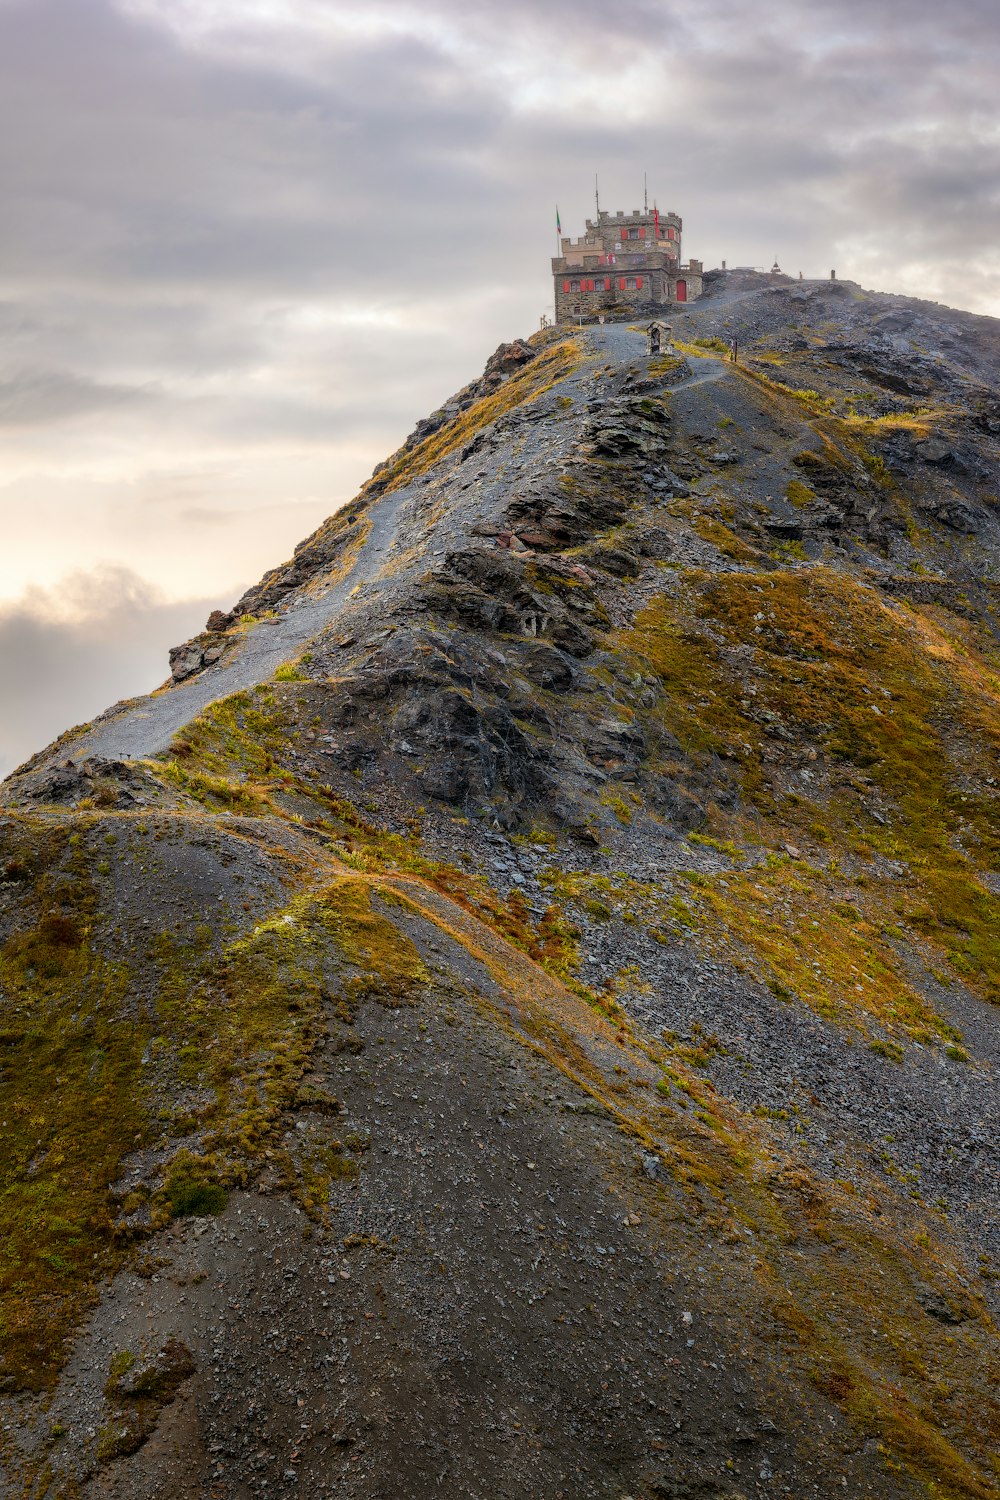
{"type": "Point", "coordinates": [623, 265]}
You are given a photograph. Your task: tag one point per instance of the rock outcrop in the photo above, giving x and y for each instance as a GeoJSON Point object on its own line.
{"type": "Point", "coordinates": [516, 1013]}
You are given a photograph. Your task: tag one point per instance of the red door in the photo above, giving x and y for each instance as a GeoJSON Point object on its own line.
{"type": "Point", "coordinates": [682, 291]}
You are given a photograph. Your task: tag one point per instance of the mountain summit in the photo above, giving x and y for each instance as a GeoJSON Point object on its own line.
{"type": "Point", "coordinates": [515, 1013]}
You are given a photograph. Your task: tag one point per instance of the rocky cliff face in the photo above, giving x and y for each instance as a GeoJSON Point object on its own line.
{"type": "Point", "coordinates": [515, 1014]}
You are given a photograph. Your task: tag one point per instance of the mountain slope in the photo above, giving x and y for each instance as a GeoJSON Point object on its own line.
{"type": "Point", "coordinates": [516, 1012]}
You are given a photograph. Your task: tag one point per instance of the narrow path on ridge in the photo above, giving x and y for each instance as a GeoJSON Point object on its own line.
{"type": "Point", "coordinates": [144, 726]}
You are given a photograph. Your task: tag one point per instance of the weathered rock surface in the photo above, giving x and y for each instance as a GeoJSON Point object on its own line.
{"type": "Point", "coordinates": [517, 1013]}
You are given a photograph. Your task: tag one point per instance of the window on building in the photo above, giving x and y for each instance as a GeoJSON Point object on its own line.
{"type": "Point", "coordinates": [630, 284]}
{"type": "Point", "coordinates": [574, 286]}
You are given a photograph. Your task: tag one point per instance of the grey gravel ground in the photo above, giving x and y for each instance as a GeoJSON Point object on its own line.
{"type": "Point", "coordinates": [513, 1295]}
{"type": "Point", "coordinates": [376, 581]}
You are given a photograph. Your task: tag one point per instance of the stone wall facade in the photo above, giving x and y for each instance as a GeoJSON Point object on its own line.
{"type": "Point", "coordinates": [623, 265]}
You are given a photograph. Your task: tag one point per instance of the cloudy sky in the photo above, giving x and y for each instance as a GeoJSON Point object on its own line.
{"type": "Point", "coordinates": [244, 244]}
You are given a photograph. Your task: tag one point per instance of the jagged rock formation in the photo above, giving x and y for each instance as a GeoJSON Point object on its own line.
{"type": "Point", "coordinates": [516, 1013]}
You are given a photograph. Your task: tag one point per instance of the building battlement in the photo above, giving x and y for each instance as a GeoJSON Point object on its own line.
{"type": "Point", "coordinates": [622, 263]}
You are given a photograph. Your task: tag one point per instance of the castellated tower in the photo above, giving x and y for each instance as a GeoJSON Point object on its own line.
{"type": "Point", "coordinates": [624, 265]}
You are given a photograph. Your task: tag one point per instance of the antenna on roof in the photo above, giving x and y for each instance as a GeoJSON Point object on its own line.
{"type": "Point", "coordinates": [597, 197]}
{"type": "Point", "coordinates": [645, 195]}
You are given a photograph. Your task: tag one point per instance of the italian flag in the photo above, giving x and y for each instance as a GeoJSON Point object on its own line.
{"type": "Point", "coordinates": [558, 221]}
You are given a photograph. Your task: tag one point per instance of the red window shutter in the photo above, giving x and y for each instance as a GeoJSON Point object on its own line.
{"type": "Point", "coordinates": [638, 283]}
{"type": "Point", "coordinates": [642, 233]}
{"type": "Point", "coordinates": [565, 286]}
{"type": "Point", "coordinates": [607, 283]}
{"type": "Point", "coordinates": [621, 283]}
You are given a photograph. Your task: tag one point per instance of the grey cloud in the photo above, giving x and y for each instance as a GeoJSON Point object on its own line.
{"type": "Point", "coordinates": [66, 654]}
{"type": "Point", "coordinates": [227, 177]}
{"type": "Point", "coordinates": [108, 592]}
{"type": "Point", "coordinates": [286, 162]}
{"type": "Point", "coordinates": [39, 397]}
{"type": "Point", "coordinates": [152, 162]}
{"type": "Point", "coordinates": [159, 203]}
{"type": "Point", "coordinates": [208, 516]}
{"type": "Point", "coordinates": [205, 515]}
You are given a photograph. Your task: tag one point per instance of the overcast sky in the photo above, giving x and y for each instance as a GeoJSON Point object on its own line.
{"type": "Point", "coordinates": [244, 244]}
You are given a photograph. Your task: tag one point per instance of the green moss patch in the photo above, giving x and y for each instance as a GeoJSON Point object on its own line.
{"type": "Point", "coordinates": [191, 1190]}
{"type": "Point", "coordinates": [799, 494]}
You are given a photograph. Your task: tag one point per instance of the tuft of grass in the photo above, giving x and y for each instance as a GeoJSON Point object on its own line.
{"type": "Point", "coordinates": [725, 540]}
{"type": "Point", "coordinates": [191, 1190]}
{"type": "Point", "coordinates": [891, 1050]}
{"type": "Point", "coordinates": [666, 364]}
{"type": "Point", "coordinates": [799, 494]}
{"type": "Point", "coordinates": [920, 421]}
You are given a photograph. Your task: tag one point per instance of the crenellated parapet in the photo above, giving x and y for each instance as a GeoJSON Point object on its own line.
{"type": "Point", "coordinates": [623, 263]}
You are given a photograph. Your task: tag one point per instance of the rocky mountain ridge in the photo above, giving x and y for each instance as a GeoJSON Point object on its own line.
{"type": "Point", "coordinates": [516, 1011]}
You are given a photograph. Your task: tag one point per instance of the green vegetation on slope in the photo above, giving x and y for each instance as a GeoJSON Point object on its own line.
{"type": "Point", "coordinates": [68, 1106]}
{"type": "Point", "coordinates": [193, 1055]}
{"type": "Point", "coordinates": [894, 715]}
